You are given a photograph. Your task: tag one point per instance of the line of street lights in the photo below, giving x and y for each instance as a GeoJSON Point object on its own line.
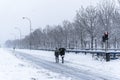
{"type": "Point", "coordinates": [19, 31]}
{"type": "Point", "coordinates": [14, 45]}
{"type": "Point", "coordinates": [29, 33]}
{"type": "Point", "coordinates": [20, 35]}
{"type": "Point", "coordinates": [30, 29]}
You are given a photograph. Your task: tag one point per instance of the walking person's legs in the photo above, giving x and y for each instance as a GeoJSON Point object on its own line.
{"type": "Point", "coordinates": [57, 59]}
{"type": "Point", "coordinates": [62, 58]}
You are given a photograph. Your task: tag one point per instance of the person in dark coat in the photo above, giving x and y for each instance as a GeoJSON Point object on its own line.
{"type": "Point", "coordinates": [62, 53]}
{"type": "Point", "coordinates": [57, 55]}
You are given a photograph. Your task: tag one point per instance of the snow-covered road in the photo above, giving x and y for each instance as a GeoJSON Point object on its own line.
{"type": "Point", "coordinates": [13, 68]}
{"type": "Point", "coordinates": [65, 70]}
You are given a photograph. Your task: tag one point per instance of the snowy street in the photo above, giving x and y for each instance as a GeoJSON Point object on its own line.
{"type": "Point", "coordinates": [12, 68]}
{"type": "Point", "coordinates": [76, 66]}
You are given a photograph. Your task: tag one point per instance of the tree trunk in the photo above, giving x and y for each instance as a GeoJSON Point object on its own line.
{"type": "Point", "coordinates": [92, 42]}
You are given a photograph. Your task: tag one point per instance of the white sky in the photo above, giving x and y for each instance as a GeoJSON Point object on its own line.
{"type": "Point", "coordinates": [41, 13]}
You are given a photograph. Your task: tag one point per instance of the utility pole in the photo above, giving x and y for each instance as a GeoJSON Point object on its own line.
{"type": "Point", "coordinates": [105, 40]}
{"type": "Point", "coordinates": [20, 35]}
{"type": "Point", "coordinates": [30, 30]}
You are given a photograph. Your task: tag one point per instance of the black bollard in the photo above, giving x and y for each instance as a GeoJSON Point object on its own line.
{"type": "Point", "coordinates": [107, 57]}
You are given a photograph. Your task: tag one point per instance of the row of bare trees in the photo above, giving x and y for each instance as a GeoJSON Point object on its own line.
{"type": "Point", "coordinates": [84, 32]}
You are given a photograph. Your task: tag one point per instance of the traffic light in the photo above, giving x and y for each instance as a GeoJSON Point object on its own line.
{"type": "Point", "coordinates": [105, 37]}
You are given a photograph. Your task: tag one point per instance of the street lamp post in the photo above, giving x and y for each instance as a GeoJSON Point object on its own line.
{"type": "Point", "coordinates": [14, 45]}
{"type": "Point", "coordinates": [30, 30]}
{"type": "Point", "coordinates": [20, 35]}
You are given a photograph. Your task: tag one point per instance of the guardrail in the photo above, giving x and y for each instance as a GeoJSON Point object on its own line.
{"type": "Point", "coordinates": [106, 54]}
{"type": "Point", "coordinates": [99, 52]}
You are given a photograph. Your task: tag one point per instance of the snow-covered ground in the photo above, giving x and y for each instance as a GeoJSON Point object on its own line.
{"type": "Point", "coordinates": [74, 64]}
{"type": "Point", "coordinates": [12, 68]}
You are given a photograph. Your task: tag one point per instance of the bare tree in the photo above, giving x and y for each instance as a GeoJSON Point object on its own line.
{"type": "Point", "coordinates": [88, 19]}
{"type": "Point", "coordinates": [67, 31]}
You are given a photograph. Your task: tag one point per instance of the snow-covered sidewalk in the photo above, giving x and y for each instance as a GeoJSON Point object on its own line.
{"type": "Point", "coordinates": [84, 62]}
{"type": "Point", "coordinates": [12, 68]}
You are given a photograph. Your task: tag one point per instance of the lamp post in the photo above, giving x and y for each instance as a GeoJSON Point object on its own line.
{"type": "Point", "coordinates": [20, 35]}
{"type": "Point", "coordinates": [30, 30]}
{"type": "Point", "coordinates": [14, 45]}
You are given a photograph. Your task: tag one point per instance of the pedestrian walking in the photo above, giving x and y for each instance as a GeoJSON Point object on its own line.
{"type": "Point", "coordinates": [56, 55]}
{"type": "Point", "coordinates": [62, 53]}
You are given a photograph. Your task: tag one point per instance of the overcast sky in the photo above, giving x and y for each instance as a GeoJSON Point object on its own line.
{"type": "Point", "coordinates": [41, 13]}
